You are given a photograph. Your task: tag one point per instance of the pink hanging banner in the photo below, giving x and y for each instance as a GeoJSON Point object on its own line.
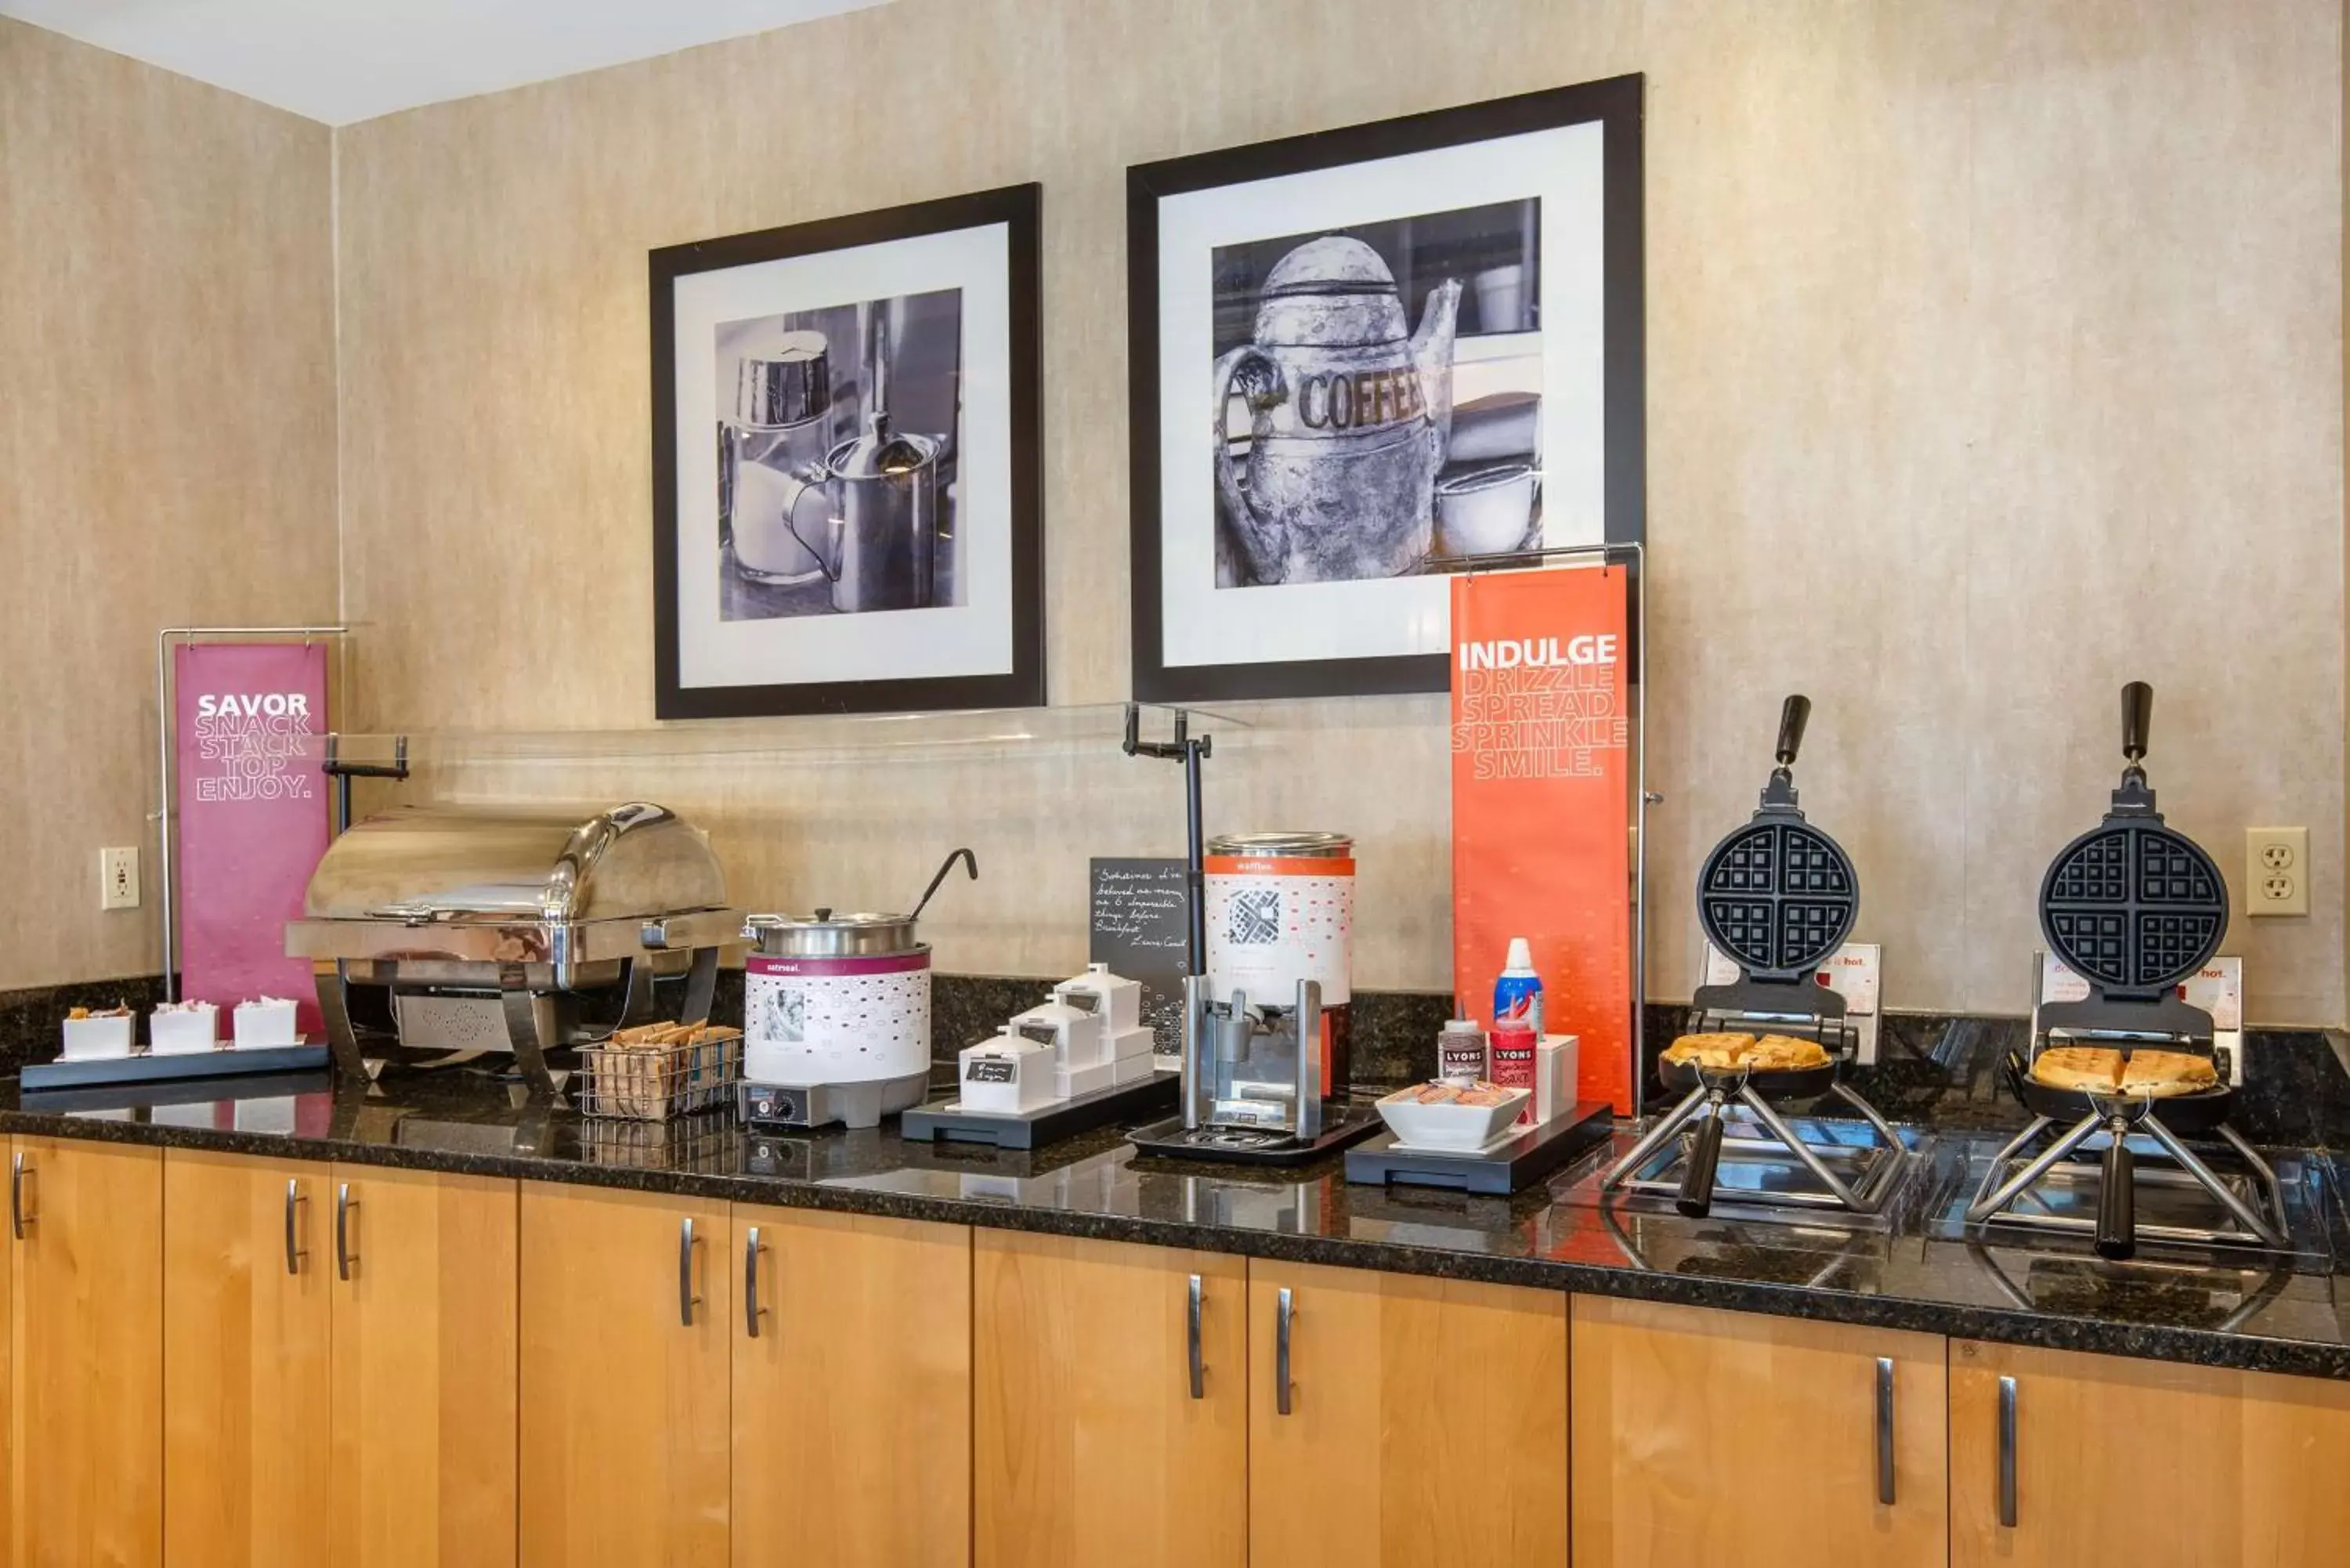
{"type": "Point", "coordinates": [253, 816]}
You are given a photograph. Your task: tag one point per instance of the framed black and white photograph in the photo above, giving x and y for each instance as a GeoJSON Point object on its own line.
{"type": "Point", "coordinates": [847, 495]}
{"type": "Point", "coordinates": [1362, 358]}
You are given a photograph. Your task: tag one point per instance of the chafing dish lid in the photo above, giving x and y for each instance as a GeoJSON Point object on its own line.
{"type": "Point", "coordinates": [826, 934]}
{"type": "Point", "coordinates": [438, 863]}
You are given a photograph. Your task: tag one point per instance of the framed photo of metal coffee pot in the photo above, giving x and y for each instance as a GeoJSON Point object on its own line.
{"type": "Point", "coordinates": [847, 495]}
{"type": "Point", "coordinates": [1362, 358]}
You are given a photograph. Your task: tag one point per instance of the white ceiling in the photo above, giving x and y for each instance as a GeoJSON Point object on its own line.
{"type": "Point", "coordinates": [345, 60]}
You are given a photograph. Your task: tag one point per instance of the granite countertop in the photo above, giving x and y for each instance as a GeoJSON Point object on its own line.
{"type": "Point", "coordinates": [2242, 1312]}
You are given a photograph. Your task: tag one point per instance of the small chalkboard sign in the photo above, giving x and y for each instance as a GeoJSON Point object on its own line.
{"type": "Point", "coordinates": [1141, 925]}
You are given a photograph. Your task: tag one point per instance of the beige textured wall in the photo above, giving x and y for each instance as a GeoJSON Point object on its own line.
{"type": "Point", "coordinates": [167, 446]}
{"type": "Point", "coordinates": [1994, 359]}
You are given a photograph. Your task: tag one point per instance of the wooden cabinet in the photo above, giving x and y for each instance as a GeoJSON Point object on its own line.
{"type": "Point", "coordinates": [2154, 1465]}
{"type": "Point", "coordinates": [85, 1439]}
{"type": "Point", "coordinates": [1705, 1437]}
{"type": "Point", "coordinates": [245, 1365]}
{"type": "Point", "coordinates": [1095, 1438]}
{"type": "Point", "coordinates": [1401, 1396]}
{"type": "Point", "coordinates": [200, 1373]}
{"type": "Point", "coordinates": [627, 1297]}
{"type": "Point", "coordinates": [421, 1275]}
{"type": "Point", "coordinates": [852, 1404]}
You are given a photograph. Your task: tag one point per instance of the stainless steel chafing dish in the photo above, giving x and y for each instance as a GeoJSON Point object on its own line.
{"type": "Point", "coordinates": [525, 923]}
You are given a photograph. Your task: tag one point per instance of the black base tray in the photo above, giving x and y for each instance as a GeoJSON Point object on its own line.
{"type": "Point", "coordinates": [1355, 1124]}
{"type": "Point", "coordinates": [1047, 1123]}
{"type": "Point", "coordinates": [166, 1069]}
{"type": "Point", "coordinates": [1504, 1168]}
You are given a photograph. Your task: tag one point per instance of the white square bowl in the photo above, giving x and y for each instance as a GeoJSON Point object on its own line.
{"type": "Point", "coordinates": [1453, 1126]}
{"type": "Point", "coordinates": [184, 1034]}
{"type": "Point", "coordinates": [263, 1024]}
{"type": "Point", "coordinates": [97, 1039]}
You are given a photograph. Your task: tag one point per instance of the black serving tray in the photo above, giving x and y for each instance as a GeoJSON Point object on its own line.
{"type": "Point", "coordinates": [153, 1069]}
{"type": "Point", "coordinates": [1503, 1168]}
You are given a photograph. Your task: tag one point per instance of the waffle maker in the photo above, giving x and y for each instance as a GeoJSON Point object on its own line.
{"type": "Point", "coordinates": [1776, 895]}
{"type": "Point", "coordinates": [2133, 907]}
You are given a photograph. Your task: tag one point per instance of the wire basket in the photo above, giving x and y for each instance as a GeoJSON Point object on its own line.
{"type": "Point", "coordinates": [657, 1072]}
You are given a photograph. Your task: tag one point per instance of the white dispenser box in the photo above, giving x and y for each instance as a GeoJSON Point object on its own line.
{"type": "Point", "coordinates": [1006, 1076]}
{"type": "Point", "coordinates": [1557, 1068]}
{"type": "Point", "coordinates": [1119, 1041]}
{"type": "Point", "coordinates": [183, 1029]}
{"type": "Point", "coordinates": [1118, 1002]}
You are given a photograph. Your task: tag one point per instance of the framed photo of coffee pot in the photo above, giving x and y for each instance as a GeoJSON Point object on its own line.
{"type": "Point", "coordinates": [847, 495]}
{"type": "Point", "coordinates": [1362, 358]}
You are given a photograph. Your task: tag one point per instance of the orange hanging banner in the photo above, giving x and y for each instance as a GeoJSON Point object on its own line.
{"type": "Point", "coordinates": [1542, 783]}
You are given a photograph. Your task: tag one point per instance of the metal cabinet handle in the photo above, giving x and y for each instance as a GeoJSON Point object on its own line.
{"type": "Point", "coordinates": [1884, 1429]}
{"type": "Point", "coordinates": [1285, 1315]}
{"type": "Point", "coordinates": [344, 1256]}
{"type": "Point", "coordinates": [18, 1218]}
{"type": "Point", "coordinates": [1192, 1340]}
{"type": "Point", "coordinates": [294, 1250]}
{"type": "Point", "coordinates": [686, 1300]}
{"type": "Point", "coordinates": [2007, 1452]}
{"type": "Point", "coordinates": [751, 1307]}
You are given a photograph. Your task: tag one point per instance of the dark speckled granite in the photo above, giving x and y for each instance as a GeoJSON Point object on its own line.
{"type": "Point", "coordinates": [1098, 1187]}
{"type": "Point", "coordinates": [30, 1020]}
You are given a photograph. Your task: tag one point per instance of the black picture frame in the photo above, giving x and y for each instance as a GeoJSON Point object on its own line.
{"type": "Point", "coordinates": [1020, 208]}
{"type": "Point", "coordinates": [1614, 102]}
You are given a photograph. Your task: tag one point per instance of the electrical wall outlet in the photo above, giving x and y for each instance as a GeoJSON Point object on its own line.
{"type": "Point", "coordinates": [117, 878]}
{"type": "Point", "coordinates": [2276, 870]}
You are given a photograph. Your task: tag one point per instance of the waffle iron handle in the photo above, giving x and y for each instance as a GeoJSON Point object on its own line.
{"type": "Point", "coordinates": [2116, 1199]}
{"type": "Point", "coordinates": [1794, 714]}
{"type": "Point", "coordinates": [1695, 1198]}
{"type": "Point", "coordinates": [2137, 719]}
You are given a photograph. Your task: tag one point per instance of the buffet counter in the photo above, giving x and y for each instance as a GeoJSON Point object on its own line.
{"type": "Point", "coordinates": [1096, 1187]}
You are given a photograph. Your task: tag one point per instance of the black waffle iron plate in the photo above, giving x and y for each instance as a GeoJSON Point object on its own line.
{"type": "Point", "coordinates": [2133, 907]}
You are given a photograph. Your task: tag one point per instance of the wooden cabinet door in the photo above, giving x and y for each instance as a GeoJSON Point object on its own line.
{"type": "Point", "coordinates": [246, 1368]}
{"type": "Point", "coordinates": [852, 1402]}
{"type": "Point", "coordinates": [422, 1278]}
{"type": "Point", "coordinates": [2154, 1465]}
{"type": "Point", "coordinates": [1406, 1396]}
{"type": "Point", "coordinates": [1092, 1441]}
{"type": "Point", "coordinates": [1725, 1437]}
{"type": "Point", "coordinates": [625, 1299]}
{"type": "Point", "coordinates": [87, 1343]}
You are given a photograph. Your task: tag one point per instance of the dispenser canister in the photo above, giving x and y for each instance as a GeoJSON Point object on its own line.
{"type": "Point", "coordinates": [1281, 909]}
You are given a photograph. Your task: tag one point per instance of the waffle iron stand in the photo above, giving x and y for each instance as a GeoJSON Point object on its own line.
{"type": "Point", "coordinates": [2133, 907]}
{"type": "Point", "coordinates": [1777, 895]}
